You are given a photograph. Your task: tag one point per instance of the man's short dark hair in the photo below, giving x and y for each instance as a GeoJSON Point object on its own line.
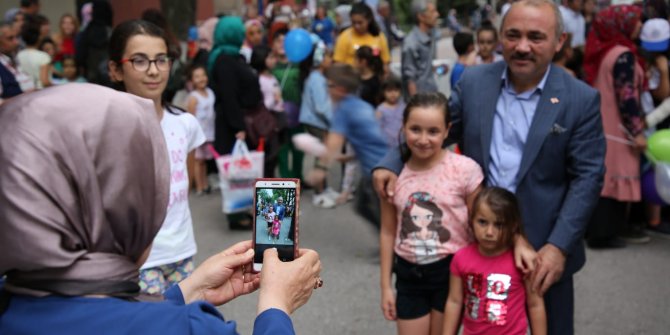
{"type": "Point", "coordinates": [344, 75]}
{"type": "Point", "coordinates": [462, 43]}
{"type": "Point", "coordinates": [28, 3]}
{"type": "Point", "coordinates": [30, 33]}
{"type": "Point", "coordinates": [5, 24]}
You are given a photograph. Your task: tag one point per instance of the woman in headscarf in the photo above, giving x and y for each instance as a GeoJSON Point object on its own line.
{"type": "Point", "coordinates": [83, 195]}
{"type": "Point", "coordinates": [254, 37]}
{"type": "Point", "coordinates": [237, 92]}
{"type": "Point", "coordinates": [613, 65]}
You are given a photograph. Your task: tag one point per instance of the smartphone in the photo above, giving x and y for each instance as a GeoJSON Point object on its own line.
{"type": "Point", "coordinates": [276, 206]}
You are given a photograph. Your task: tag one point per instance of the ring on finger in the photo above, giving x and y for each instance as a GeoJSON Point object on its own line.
{"type": "Point", "coordinates": [318, 282]}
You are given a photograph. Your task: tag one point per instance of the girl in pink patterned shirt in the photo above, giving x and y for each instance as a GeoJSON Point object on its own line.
{"type": "Point", "coordinates": [427, 221]}
{"type": "Point", "coordinates": [484, 281]}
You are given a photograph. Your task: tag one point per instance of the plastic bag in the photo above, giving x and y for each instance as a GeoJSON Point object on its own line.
{"type": "Point", "coordinates": [237, 174]}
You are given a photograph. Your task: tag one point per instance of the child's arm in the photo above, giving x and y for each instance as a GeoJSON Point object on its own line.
{"type": "Point", "coordinates": [378, 114]}
{"type": "Point", "coordinates": [191, 104]}
{"type": "Point", "coordinates": [44, 75]}
{"type": "Point", "coordinates": [537, 315]}
{"type": "Point", "coordinates": [386, 241]}
{"type": "Point", "coordinates": [470, 199]}
{"type": "Point", "coordinates": [453, 306]}
{"type": "Point", "coordinates": [663, 89]}
{"type": "Point", "coordinates": [343, 158]}
{"type": "Point", "coordinates": [659, 114]}
{"type": "Point", "coordinates": [334, 143]}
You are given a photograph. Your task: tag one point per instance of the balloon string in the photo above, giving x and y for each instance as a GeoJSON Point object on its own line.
{"type": "Point", "coordinates": [285, 75]}
{"type": "Point", "coordinates": [650, 157]}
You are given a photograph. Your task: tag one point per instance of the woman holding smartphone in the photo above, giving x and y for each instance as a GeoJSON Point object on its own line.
{"type": "Point", "coordinates": [83, 192]}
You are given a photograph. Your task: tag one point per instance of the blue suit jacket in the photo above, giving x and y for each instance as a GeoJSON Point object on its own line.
{"type": "Point", "coordinates": [562, 166]}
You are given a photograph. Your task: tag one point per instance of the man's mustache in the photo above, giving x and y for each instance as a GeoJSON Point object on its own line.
{"type": "Point", "coordinates": [523, 56]}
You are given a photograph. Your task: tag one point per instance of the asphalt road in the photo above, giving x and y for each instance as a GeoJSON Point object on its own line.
{"type": "Point", "coordinates": [623, 291]}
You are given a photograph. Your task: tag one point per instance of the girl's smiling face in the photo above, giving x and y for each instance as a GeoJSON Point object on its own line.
{"type": "Point", "coordinates": [425, 130]}
{"type": "Point", "coordinates": [150, 83]}
{"type": "Point", "coordinates": [199, 78]}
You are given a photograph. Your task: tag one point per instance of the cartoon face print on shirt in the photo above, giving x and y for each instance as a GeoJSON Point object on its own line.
{"type": "Point", "coordinates": [421, 226]}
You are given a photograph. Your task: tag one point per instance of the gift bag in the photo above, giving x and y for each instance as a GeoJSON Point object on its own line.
{"type": "Point", "coordinates": [237, 173]}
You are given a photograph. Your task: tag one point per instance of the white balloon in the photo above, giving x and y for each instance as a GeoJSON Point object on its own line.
{"type": "Point", "coordinates": [662, 175]}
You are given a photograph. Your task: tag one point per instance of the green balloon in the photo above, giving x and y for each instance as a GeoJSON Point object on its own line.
{"type": "Point", "coordinates": [659, 145]}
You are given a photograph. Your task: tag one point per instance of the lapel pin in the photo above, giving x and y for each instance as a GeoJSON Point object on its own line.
{"type": "Point", "coordinates": [554, 100]}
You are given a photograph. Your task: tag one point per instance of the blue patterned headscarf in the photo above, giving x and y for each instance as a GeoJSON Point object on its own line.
{"type": "Point", "coordinates": [228, 39]}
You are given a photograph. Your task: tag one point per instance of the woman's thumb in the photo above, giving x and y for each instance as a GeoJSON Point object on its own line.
{"type": "Point", "coordinates": [270, 253]}
{"type": "Point", "coordinates": [240, 259]}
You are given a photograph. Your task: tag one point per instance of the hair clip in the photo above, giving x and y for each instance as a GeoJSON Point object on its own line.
{"type": "Point", "coordinates": [418, 196]}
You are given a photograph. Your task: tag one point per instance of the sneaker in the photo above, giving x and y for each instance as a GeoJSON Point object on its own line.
{"type": "Point", "coordinates": [323, 200]}
{"type": "Point", "coordinates": [635, 234]}
{"type": "Point", "coordinates": [344, 198]}
{"type": "Point", "coordinates": [331, 193]}
{"type": "Point", "coordinates": [661, 230]}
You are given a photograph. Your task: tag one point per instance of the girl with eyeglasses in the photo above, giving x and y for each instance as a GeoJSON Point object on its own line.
{"type": "Point", "coordinates": [140, 65]}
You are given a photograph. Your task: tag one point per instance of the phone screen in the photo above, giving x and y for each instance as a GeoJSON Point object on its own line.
{"type": "Point", "coordinates": [275, 219]}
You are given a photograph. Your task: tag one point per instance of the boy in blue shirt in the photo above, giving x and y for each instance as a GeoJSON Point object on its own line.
{"type": "Point", "coordinates": [464, 45]}
{"type": "Point", "coordinates": [354, 121]}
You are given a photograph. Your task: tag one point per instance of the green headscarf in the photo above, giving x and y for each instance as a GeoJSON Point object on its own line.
{"type": "Point", "coordinates": [228, 39]}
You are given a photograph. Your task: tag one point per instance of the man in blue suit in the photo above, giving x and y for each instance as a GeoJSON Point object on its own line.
{"type": "Point", "coordinates": [536, 131]}
{"type": "Point", "coordinates": [280, 209]}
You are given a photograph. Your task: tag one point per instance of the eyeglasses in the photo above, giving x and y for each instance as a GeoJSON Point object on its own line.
{"type": "Point", "coordinates": [143, 64]}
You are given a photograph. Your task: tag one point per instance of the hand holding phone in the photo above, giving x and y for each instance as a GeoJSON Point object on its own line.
{"type": "Point", "coordinates": [276, 204]}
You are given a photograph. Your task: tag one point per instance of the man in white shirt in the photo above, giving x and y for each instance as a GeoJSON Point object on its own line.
{"type": "Point", "coordinates": [12, 81]}
{"type": "Point", "coordinates": [571, 11]}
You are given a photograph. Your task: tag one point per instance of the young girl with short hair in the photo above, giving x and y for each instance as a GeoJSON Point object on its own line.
{"type": "Point", "coordinates": [389, 112]}
{"type": "Point", "coordinates": [487, 43]}
{"type": "Point", "coordinates": [70, 72]}
{"type": "Point", "coordinates": [263, 61]}
{"type": "Point", "coordinates": [485, 287]}
{"type": "Point", "coordinates": [139, 63]}
{"type": "Point", "coordinates": [201, 104]}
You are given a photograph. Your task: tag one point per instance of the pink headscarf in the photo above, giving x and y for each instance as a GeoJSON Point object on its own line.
{"type": "Point", "coordinates": [247, 24]}
{"type": "Point", "coordinates": [611, 27]}
{"type": "Point", "coordinates": [84, 180]}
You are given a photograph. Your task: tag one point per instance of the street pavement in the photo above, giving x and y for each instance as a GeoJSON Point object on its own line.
{"type": "Point", "coordinates": [621, 291]}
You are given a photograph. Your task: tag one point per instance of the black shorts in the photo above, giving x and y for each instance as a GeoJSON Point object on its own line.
{"type": "Point", "coordinates": [420, 288]}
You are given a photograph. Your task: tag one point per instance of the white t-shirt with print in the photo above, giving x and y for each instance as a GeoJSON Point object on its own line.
{"type": "Point", "coordinates": [175, 240]}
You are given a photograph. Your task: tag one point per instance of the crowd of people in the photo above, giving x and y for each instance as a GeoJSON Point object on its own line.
{"type": "Point", "coordinates": [482, 200]}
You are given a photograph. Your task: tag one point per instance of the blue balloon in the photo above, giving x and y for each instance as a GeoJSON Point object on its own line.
{"type": "Point", "coordinates": [298, 45]}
